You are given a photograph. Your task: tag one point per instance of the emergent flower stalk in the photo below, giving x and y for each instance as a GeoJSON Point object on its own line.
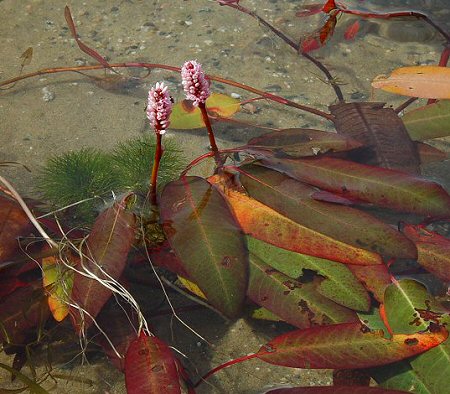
{"type": "Point", "coordinates": [196, 88]}
{"type": "Point", "coordinates": [159, 108]}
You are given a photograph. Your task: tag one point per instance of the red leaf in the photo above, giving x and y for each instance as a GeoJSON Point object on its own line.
{"type": "Point", "coordinates": [352, 30]}
{"type": "Point", "coordinates": [375, 278]}
{"type": "Point", "coordinates": [330, 5]}
{"type": "Point", "coordinates": [433, 250]}
{"type": "Point", "coordinates": [380, 186]}
{"type": "Point", "coordinates": [150, 367]}
{"type": "Point", "coordinates": [327, 29]}
{"type": "Point", "coordinates": [334, 390]}
{"type": "Point", "coordinates": [13, 223]}
{"type": "Point", "coordinates": [348, 345]}
{"type": "Point", "coordinates": [109, 242]}
{"type": "Point", "coordinates": [309, 9]}
{"type": "Point", "coordinates": [309, 44]}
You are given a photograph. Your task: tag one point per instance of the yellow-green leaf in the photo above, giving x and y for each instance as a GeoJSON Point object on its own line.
{"type": "Point", "coordinates": [417, 81]}
{"type": "Point", "coordinates": [186, 116]}
{"type": "Point", "coordinates": [58, 281]}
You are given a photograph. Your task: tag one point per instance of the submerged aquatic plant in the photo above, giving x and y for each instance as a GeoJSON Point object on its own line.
{"type": "Point", "coordinates": [90, 177]}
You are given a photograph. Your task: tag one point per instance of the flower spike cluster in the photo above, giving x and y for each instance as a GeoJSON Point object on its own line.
{"type": "Point", "coordinates": [195, 84]}
{"type": "Point", "coordinates": [159, 107]}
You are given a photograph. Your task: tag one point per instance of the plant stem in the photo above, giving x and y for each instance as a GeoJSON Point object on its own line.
{"type": "Point", "coordinates": [154, 176]}
{"type": "Point", "coordinates": [212, 140]}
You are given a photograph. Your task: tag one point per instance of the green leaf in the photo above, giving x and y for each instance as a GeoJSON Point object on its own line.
{"type": "Point", "coordinates": [205, 236]}
{"type": "Point", "coordinates": [379, 186]}
{"type": "Point", "coordinates": [430, 121]}
{"type": "Point", "coordinates": [186, 116]}
{"type": "Point", "coordinates": [345, 346]}
{"type": "Point", "coordinates": [338, 283]}
{"type": "Point", "coordinates": [296, 303]}
{"type": "Point", "coordinates": [410, 309]}
{"type": "Point", "coordinates": [294, 200]}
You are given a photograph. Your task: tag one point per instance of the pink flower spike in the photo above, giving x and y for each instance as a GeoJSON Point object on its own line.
{"type": "Point", "coordinates": [195, 84]}
{"type": "Point", "coordinates": [159, 107]}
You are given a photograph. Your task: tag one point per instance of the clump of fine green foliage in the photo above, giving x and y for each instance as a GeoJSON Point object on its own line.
{"type": "Point", "coordinates": [92, 175]}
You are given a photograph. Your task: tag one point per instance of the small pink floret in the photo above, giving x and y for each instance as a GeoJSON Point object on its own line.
{"type": "Point", "coordinates": [159, 107]}
{"type": "Point", "coordinates": [195, 84]}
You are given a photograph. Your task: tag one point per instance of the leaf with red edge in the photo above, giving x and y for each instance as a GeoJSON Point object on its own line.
{"type": "Point", "coordinates": [380, 186]}
{"type": "Point", "coordinates": [105, 257]}
{"type": "Point", "coordinates": [433, 250]}
{"type": "Point", "coordinates": [150, 367]}
{"type": "Point", "coordinates": [294, 200]}
{"type": "Point", "coordinates": [264, 223]}
{"type": "Point", "coordinates": [411, 309]}
{"type": "Point", "coordinates": [13, 223]}
{"type": "Point", "coordinates": [334, 390]}
{"type": "Point", "coordinates": [164, 256]}
{"type": "Point", "coordinates": [299, 304]}
{"type": "Point", "coordinates": [375, 278]}
{"type": "Point", "coordinates": [206, 237]}
{"type": "Point", "coordinates": [347, 345]}
{"type": "Point", "coordinates": [302, 142]}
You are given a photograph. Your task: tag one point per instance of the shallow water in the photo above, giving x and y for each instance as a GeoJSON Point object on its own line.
{"type": "Point", "coordinates": [51, 114]}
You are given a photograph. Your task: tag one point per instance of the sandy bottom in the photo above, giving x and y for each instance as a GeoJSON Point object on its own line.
{"type": "Point", "coordinates": [51, 114]}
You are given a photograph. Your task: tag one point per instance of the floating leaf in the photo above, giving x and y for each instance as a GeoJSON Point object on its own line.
{"type": "Point", "coordinates": [105, 257]}
{"type": "Point", "coordinates": [296, 303]}
{"type": "Point", "coordinates": [294, 200]}
{"type": "Point", "coordinates": [430, 121]}
{"type": "Point", "coordinates": [431, 82]}
{"type": "Point", "coordinates": [433, 250]}
{"type": "Point", "coordinates": [58, 281]}
{"type": "Point", "coordinates": [347, 345]}
{"type": "Point", "coordinates": [266, 224]}
{"type": "Point", "coordinates": [380, 186]}
{"type": "Point", "coordinates": [186, 116]}
{"type": "Point", "coordinates": [150, 367]}
{"type": "Point", "coordinates": [337, 282]}
{"type": "Point", "coordinates": [302, 142]}
{"type": "Point", "coordinates": [334, 390]}
{"type": "Point", "coordinates": [205, 236]}
{"type": "Point", "coordinates": [410, 309]}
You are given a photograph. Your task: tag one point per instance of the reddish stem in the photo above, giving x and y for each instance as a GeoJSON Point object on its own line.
{"type": "Point", "coordinates": [154, 176]}
{"type": "Point", "coordinates": [212, 140]}
{"type": "Point", "coordinates": [225, 365]}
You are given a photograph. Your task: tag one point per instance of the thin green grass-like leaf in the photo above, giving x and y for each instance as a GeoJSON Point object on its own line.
{"type": "Point", "coordinates": [32, 385]}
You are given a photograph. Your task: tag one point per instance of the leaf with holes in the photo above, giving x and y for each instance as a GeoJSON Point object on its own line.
{"type": "Point", "coordinates": [336, 281]}
{"type": "Point", "coordinates": [347, 345]}
{"type": "Point", "coordinates": [299, 304]}
{"type": "Point", "coordinates": [264, 223]}
{"type": "Point", "coordinates": [433, 250]}
{"type": "Point", "coordinates": [206, 237]}
{"type": "Point", "coordinates": [380, 186]}
{"type": "Point", "coordinates": [104, 258]}
{"type": "Point", "coordinates": [432, 82]}
{"type": "Point", "coordinates": [410, 309]}
{"type": "Point", "coordinates": [293, 199]}
{"type": "Point", "coordinates": [150, 367]}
